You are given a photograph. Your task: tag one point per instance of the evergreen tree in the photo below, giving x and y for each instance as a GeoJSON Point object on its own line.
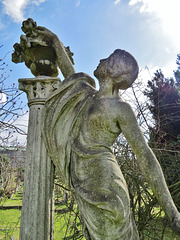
{"type": "Point", "coordinates": [164, 97]}
{"type": "Point", "coordinates": [177, 72]}
{"type": "Point", "coordinates": [164, 105]}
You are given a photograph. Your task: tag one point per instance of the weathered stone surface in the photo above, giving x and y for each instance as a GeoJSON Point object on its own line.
{"type": "Point", "coordinates": [38, 204]}
{"type": "Point", "coordinates": [39, 88]}
{"type": "Point", "coordinates": [80, 126]}
{"type": "Point", "coordinates": [37, 49]}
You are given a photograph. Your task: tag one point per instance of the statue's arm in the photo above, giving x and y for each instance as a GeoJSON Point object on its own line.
{"type": "Point", "coordinates": [148, 163]}
{"type": "Point", "coordinates": [64, 62]}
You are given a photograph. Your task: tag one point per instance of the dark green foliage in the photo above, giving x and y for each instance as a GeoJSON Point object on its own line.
{"type": "Point", "coordinates": [165, 107]}
{"type": "Point", "coordinates": [149, 216]}
{"type": "Point", "coordinates": [67, 218]}
{"type": "Point", "coordinates": [164, 104]}
{"type": "Point", "coordinates": [177, 72]}
{"type": "Point", "coordinates": [164, 96]}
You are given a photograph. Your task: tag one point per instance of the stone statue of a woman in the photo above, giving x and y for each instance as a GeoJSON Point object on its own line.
{"type": "Point", "coordinates": [80, 125]}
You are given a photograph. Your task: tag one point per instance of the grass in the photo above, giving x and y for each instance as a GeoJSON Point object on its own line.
{"type": "Point", "coordinates": [10, 224]}
{"type": "Point", "coordinates": [10, 220]}
{"type": "Point", "coordinates": [60, 227]}
{"type": "Point", "coordinates": [159, 229]}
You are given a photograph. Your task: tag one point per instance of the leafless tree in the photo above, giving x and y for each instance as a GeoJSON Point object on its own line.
{"type": "Point", "coordinates": [11, 106]}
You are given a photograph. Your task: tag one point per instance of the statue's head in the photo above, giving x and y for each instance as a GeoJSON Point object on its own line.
{"type": "Point", "coordinates": [120, 66]}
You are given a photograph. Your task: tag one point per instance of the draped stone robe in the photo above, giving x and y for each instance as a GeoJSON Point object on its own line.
{"type": "Point", "coordinates": [79, 133]}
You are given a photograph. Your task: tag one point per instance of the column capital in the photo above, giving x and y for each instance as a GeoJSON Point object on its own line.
{"type": "Point", "coordinates": [38, 88]}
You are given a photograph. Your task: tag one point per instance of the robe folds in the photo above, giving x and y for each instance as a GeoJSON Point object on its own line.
{"type": "Point", "coordinates": [87, 167]}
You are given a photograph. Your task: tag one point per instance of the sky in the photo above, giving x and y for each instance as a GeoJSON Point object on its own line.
{"type": "Point", "coordinates": [93, 29]}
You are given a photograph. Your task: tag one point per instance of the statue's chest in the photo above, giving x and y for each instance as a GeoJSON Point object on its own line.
{"type": "Point", "coordinates": [100, 124]}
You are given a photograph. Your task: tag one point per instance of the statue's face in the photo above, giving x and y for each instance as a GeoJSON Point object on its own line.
{"type": "Point", "coordinates": [101, 70]}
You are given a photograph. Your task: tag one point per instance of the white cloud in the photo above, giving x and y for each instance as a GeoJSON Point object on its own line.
{"type": "Point", "coordinates": [168, 69]}
{"type": "Point", "coordinates": [78, 3]}
{"type": "Point", "coordinates": [166, 11]}
{"type": "Point", "coordinates": [147, 73]}
{"type": "Point", "coordinates": [116, 2]}
{"type": "Point", "coordinates": [12, 135]}
{"type": "Point", "coordinates": [38, 2]}
{"type": "Point", "coordinates": [3, 98]}
{"type": "Point", "coordinates": [16, 8]}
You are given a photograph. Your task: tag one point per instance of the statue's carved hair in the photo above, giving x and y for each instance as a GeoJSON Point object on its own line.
{"type": "Point", "coordinates": [121, 62]}
{"type": "Point", "coordinates": [121, 66]}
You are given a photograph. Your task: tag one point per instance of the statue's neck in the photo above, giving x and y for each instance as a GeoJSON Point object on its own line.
{"type": "Point", "coordinates": [108, 89]}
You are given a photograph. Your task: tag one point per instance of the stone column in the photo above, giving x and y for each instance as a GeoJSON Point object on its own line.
{"type": "Point", "coordinates": [37, 208]}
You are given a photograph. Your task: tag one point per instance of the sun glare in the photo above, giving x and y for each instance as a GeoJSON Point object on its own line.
{"type": "Point", "coordinates": [167, 11]}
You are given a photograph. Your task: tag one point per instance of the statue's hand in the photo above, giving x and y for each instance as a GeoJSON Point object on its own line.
{"type": "Point", "coordinates": [45, 32]}
{"type": "Point", "coordinates": [176, 222]}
